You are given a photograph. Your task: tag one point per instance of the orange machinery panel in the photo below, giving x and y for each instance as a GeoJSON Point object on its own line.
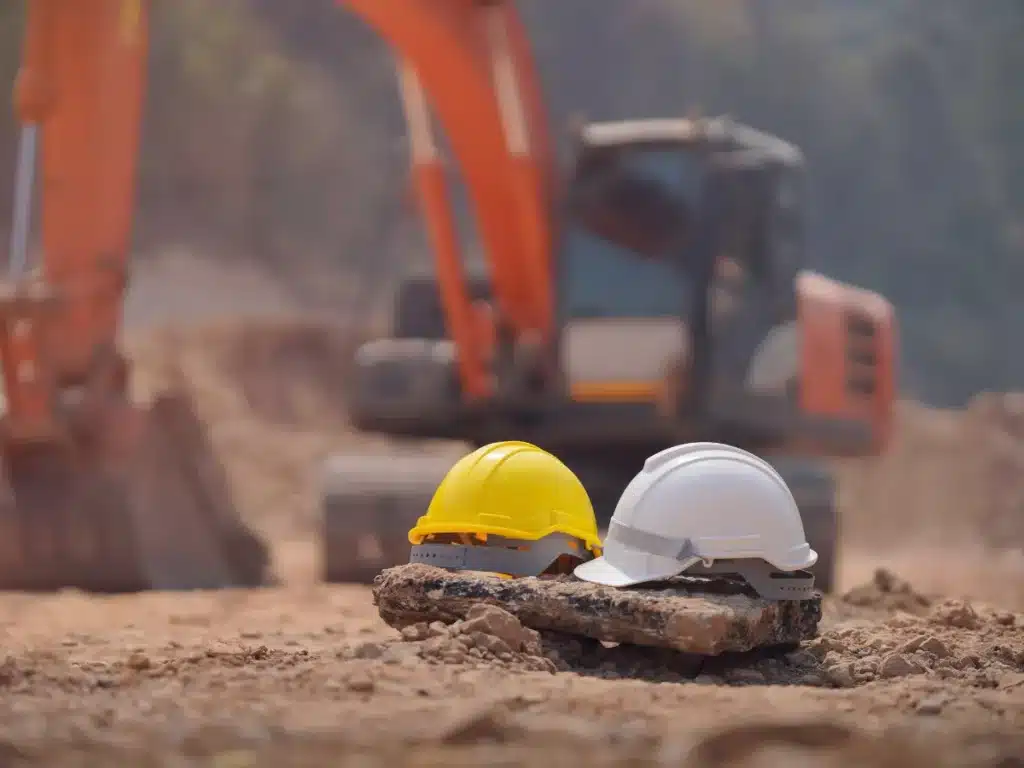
{"type": "Point", "coordinates": [847, 354]}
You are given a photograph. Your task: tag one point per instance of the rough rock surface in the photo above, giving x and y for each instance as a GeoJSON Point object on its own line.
{"type": "Point", "coordinates": [692, 616]}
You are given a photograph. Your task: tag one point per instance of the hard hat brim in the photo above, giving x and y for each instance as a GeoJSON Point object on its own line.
{"type": "Point", "coordinates": [631, 568]}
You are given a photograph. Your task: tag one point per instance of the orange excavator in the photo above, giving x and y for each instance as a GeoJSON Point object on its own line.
{"type": "Point", "coordinates": [654, 293]}
{"type": "Point", "coordinates": [101, 494]}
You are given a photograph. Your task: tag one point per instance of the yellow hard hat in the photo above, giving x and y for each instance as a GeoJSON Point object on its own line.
{"type": "Point", "coordinates": [513, 491]}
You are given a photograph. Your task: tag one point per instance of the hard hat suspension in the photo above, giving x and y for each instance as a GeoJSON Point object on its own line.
{"type": "Point", "coordinates": [514, 557]}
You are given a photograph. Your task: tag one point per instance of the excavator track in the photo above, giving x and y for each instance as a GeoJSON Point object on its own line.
{"type": "Point", "coordinates": [155, 515]}
{"type": "Point", "coordinates": [369, 505]}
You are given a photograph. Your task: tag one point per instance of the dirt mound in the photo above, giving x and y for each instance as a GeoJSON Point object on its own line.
{"type": "Point", "coordinates": [945, 505]}
{"type": "Point", "coordinates": [940, 638]}
{"type": "Point", "coordinates": [950, 477]}
{"type": "Point", "coordinates": [888, 592]}
{"type": "Point", "coordinates": [272, 393]}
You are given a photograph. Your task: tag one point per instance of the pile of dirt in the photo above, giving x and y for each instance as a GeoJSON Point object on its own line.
{"type": "Point", "coordinates": [950, 477]}
{"type": "Point", "coordinates": [945, 504]}
{"type": "Point", "coordinates": [488, 636]}
{"type": "Point", "coordinates": [272, 393]}
{"type": "Point", "coordinates": [888, 592]}
{"type": "Point", "coordinates": [931, 636]}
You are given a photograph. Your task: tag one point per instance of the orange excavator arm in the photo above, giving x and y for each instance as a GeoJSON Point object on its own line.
{"type": "Point", "coordinates": [81, 91]}
{"type": "Point", "coordinates": [470, 61]}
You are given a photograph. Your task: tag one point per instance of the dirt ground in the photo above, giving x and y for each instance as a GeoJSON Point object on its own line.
{"type": "Point", "coordinates": [926, 672]}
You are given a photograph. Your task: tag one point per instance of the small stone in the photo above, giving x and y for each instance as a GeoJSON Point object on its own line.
{"type": "Point", "coordinates": [437, 629]}
{"type": "Point", "coordinates": [398, 654]}
{"type": "Point", "coordinates": [454, 655]}
{"type": "Point", "coordinates": [945, 672]}
{"type": "Point", "coordinates": [368, 651]}
{"type": "Point", "coordinates": [360, 683]}
{"type": "Point", "coordinates": [955, 613]}
{"type": "Point", "coordinates": [503, 627]}
{"type": "Point", "coordinates": [831, 659]}
{"type": "Point", "coordinates": [414, 632]}
{"type": "Point", "coordinates": [898, 665]}
{"type": "Point", "coordinates": [865, 670]}
{"type": "Point", "coordinates": [496, 645]}
{"type": "Point", "coordinates": [867, 664]}
{"type": "Point", "coordinates": [841, 676]}
{"type": "Point", "coordinates": [1005, 619]}
{"type": "Point", "coordinates": [139, 662]}
{"type": "Point", "coordinates": [935, 647]}
{"type": "Point", "coordinates": [913, 644]}
{"type": "Point", "coordinates": [967, 661]}
{"type": "Point", "coordinates": [818, 648]}
{"type": "Point", "coordinates": [933, 705]}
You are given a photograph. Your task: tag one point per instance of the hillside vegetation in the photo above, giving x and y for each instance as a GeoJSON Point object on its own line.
{"type": "Point", "coordinates": [274, 134]}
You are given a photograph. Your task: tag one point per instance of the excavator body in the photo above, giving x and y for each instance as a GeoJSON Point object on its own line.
{"type": "Point", "coordinates": [657, 292]}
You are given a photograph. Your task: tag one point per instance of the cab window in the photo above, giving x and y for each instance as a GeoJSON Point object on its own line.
{"type": "Point", "coordinates": [641, 198]}
{"type": "Point", "coordinates": [603, 280]}
{"type": "Point", "coordinates": [625, 241]}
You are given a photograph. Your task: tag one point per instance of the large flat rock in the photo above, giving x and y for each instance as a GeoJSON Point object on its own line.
{"type": "Point", "coordinates": [699, 616]}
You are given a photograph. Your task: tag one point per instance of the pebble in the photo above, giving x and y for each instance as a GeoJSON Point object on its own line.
{"type": "Point", "coordinates": [360, 683]}
{"type": "Point", "coordinates": [841, 675]}
{"type": "Point", "coordinates": [933, 705]}
{"type": "Point", "coordinates": [898, 665]}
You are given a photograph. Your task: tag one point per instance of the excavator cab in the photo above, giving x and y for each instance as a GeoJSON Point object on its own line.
{"type": "Point", "coordinates": [680, 249]}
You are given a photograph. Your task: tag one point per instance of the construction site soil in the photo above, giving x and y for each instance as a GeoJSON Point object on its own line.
{"type": "Point", "coordinates": [919, 660]}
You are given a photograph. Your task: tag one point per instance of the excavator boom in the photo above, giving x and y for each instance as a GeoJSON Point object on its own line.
{"type": "Point", "coordinates": [469, 62]}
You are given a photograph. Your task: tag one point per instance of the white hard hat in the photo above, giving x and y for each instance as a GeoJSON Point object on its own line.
{"type": "Point", "coordinates": [700, 503]}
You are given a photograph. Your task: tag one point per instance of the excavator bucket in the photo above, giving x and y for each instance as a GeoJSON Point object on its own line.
{"type": "Point", "coordinates": [369, 506]}
{"type": "Point", "coordinates": [145, 505]}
